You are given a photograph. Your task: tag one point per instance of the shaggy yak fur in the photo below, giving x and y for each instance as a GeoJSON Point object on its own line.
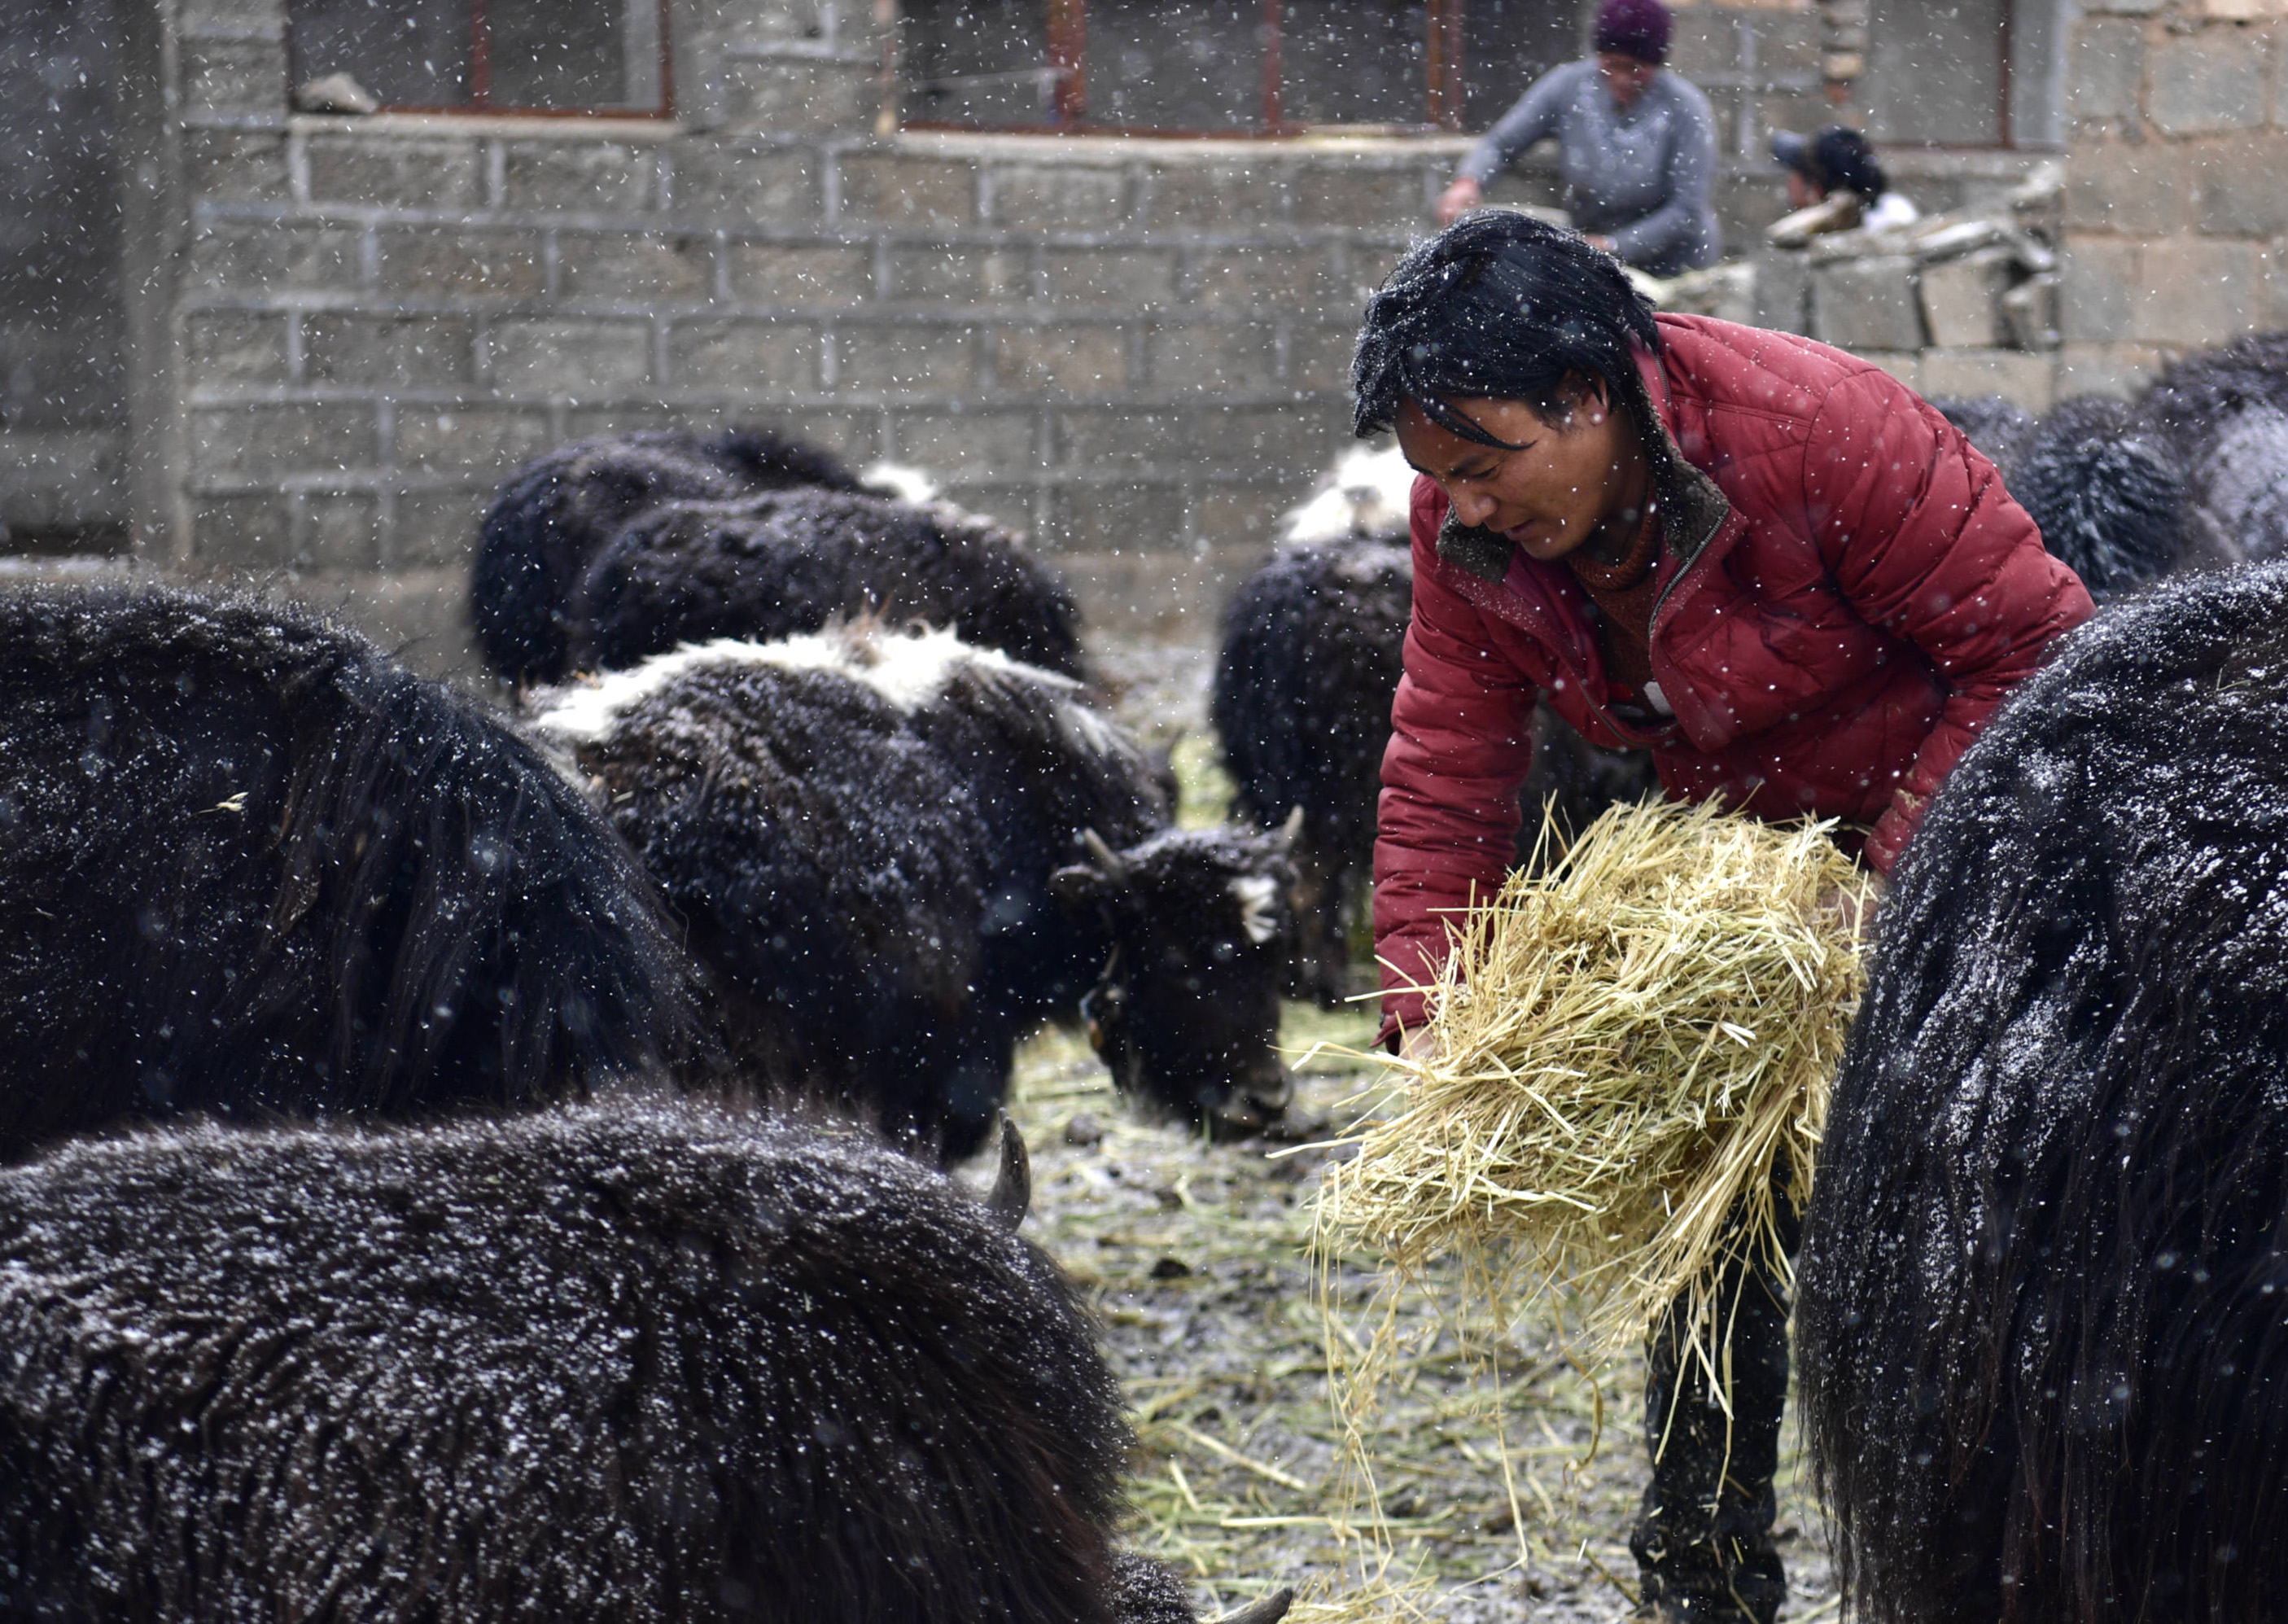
{"type": "Point", "coordinates": [555, 516]}
{"type": "Point", "coordinates": [875, 839]}
{"type": "Point", "coordinates": [776, 566]}
{"type": "Point", "coordinates": [632, 1365]}
{"type": "Point", "coordinates": [248, 864]}
{"type": "Point", "coordinates": [2042, 1358]}
{"type": "Point", "coordinates": [2226, 412]}
{"type": "Point", "coordinates": [1993, 425]}
{"type": "Point", "coordinates": [1313, 646]}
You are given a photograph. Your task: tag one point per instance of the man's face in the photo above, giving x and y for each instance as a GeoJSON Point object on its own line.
{"type": "Point", "coordinates": [1625, 76]}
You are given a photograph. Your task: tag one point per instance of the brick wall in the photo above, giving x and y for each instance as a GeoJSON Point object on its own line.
{"type": "Point", "coordinates": [1136, 350]}
{"type": "Point", "coordinates": [2176, 206]}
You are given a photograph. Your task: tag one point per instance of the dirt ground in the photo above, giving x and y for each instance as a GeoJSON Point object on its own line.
{"type": "Point", "coordinates": [1197, 1257]}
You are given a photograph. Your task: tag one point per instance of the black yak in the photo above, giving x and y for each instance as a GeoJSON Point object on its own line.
{"type": "Point", "coordinates": [2226, 412]}
{"type": "Point", "coordinates": [2042, 1358]}
{"type": "Point", "coordinates": [1998, 427]}
{"type": "Point", "coordinates": [2107, 495]}
{"type": "Point", "coordinates": [792, 561]}
{"type": "Point", "coordinates": [557, 513]}
{"type": "Point", "coordinates": [1313, 645]}
{"type": "Point", "coordinates": [249, 864]}
{"type": "Point", "coordinates": [627, 1364]}
{"type": "Point", "coordinates": [897, 854]}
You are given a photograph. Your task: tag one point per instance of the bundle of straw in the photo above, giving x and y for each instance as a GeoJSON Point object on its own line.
{"type": "Point", "coordinates": [1627, 1048]}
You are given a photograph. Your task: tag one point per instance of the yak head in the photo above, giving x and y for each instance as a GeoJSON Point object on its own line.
{"type": "Point", "coordinates": [1200, 931]}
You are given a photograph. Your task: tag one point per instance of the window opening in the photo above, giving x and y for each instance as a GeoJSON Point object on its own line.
{"type": "Point", "coordinates": [585, 58]}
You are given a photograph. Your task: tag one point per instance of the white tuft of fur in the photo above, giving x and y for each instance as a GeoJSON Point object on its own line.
{"type": "Point", "coordinates": [1368, 493]}
{"type": "Point", "coordinates": [907, 484]}
{"type": "Point", "coordinates": [1259, 905]}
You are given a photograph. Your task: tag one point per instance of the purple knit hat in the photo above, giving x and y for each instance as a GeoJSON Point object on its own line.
{"type": "Point", "coordinates": [1634, 28]}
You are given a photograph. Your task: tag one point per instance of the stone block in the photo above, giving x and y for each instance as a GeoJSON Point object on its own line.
{"type": "Point", "coordinates": [788, 93]}
{"type": "Point", "coordinates": [484, 441]}
{"type": "Point", "coordinates": [1154, 595]}
{"type": "Point", "coordinates": [571, 356]}
{"type": "Point", "coordinates": [2125, 8]}
{"type": "Point", "coordinates": [1125, 440]}
{"type": "Point", "coordinates": [2028, 380]}
{"type": "Point", "coordinates": [241, 533]}
{"type": "Point", "coordinates": [437, 527]}
{"type": "Point", "coordinates": [271, 258]}
{"type": "Point", "coordinates": [580, 177]}
{"type": "Point", "coordinates": [1784, 290]}
{"type": "Point", "coordinates": [961, 276]}
{"type": "Point", "coordinates": [237, 166]}
{"type": "Point", "coordinates": [2093, 287]}
{"type": "Point", "coordinates": [1319, 358]}
{"type": "Point", "coordinates": [2244, 11]}
{"type": "Point", "coordinates": [1065, 360]}
{"type": "Point", "coordinates": [735, 180]}
{"type": "Point", "coordinates": [2240, 186]}
{"type": "Point", "coordinates": [1121, 518]}
{"type": "Point", "coordinates": [1354, 195]}
{"type": "Point", "coordinates": [2132, 189]}
{"type": "Point", "coordinates": [257, 18]}
{"type": "Point", "coordinates": [743, 357]}
{"type": "Point", "coordinates": [1869, 304]}
{"type": "Point", "coordinates": [1210, 196]}
{"type": "Point", "coordinates": [905, 359]}
{"type": "Point", "coordinates": [1130, 278]}
{"type": "Point", "coordinates": [383, 172]}
{"type": "Point", "coordinates": [2106, 368]}
{"type": "Point", "coordinates": [340, 531]}
{"type": "Point", "coordinates": [230, 346]}
{"type": "Point", "coordinates": [233, 75]}
{"type": "Point", "coordinates": [1216, 359]}
{"type": "Point", "coordinates": [2108, 66]}
{"type": "Point", "coordinates": [2207, 81]}
{"type": "Point", "coordinates": [764, 273]}
{"type": "Point", "coordinates": [1962, 300]}
{"type": "Point", "coordinates": [620, 268]}
{"type": "Point", "coordinates": [2030, 313]}
{"type": "Point", "coordinates": [1294, 282]}
{"type": "Point", "coordinates": [2195, 293]}
{"type": "Point", "coordinates": [271, 441]}
{"type": "Point", "coordinates": [412, 352]}
{"type": "Point", "coordinates": [974, 444]}
{"type": "Point", "coordinates": [1243, 517]}
{"type": "Point", "coordinates": [1906, 366]}
{"type": "Point", "coordinates": [1036, 198]}
{"type": "Point", "coordinates": [903, 191]}
{"type": "Point", "coordinates": [444, 263]}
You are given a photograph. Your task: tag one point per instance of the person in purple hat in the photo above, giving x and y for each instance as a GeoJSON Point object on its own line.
{"type": "Point", "coordinates": [1636, 142]}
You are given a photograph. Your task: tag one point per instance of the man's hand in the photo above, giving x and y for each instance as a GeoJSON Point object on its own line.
{"type": "Point", "coordinates": [1421, 1044]}
{"type": "Point", "coordinates": [1855, 907]}
{"type": "Point", "coordinates": [1458, 199]}
{"type": "Point", "coordinates": [1602, 244]}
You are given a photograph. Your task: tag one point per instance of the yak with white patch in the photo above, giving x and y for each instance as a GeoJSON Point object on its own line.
{"type": "Point", "coordinates": [1313, 646]}
{"type": "Point", "coordinates": [2226, 412]}
{"type": "Point", "coordinates": [2045, 1276]}
{"type": "Point", "coordinates": [557, 513]}
{"type": "Point", "coordinates": [793, 561]}
{"type": "Point", "coordinates": [898, 855]}
{"type": "Point", "coordinates": [249, 864]}
{"type": "Point", "coordinates": [647, 1364]}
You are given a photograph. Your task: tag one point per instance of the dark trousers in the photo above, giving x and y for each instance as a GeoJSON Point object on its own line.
{"type": "Point", "coordinates": [1703, 1535]}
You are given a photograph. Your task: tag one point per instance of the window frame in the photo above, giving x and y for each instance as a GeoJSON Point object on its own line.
{"type": "Point", "coordinates": [1066, 48]}
{"type": "Point", "coordinates": [479, 104]}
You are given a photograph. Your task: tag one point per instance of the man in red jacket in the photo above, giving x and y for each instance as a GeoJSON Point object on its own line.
{"type": "Point", "coordinates": [1766, 562]}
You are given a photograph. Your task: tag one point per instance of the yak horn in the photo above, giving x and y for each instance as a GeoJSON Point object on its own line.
{"type": "Point", "coordinates": [1292, 827]}
{"type": "Point", "coordinates": [1270, 1609]}
{"type": "Point", "coordinates": [1108, 863]}
{"type": "Point", "coordinates": [1011, 1195]}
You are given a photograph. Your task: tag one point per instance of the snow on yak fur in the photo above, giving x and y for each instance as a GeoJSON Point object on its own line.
{"type": "Point", "coordinates": [556, 513]}
{"type": "Point", "coordinates": [873, 839]}
{"type": "Point", "coordinates": [1997, 428]}
{"type": "Point", "coordinates": [2046, 1263]}
{"type": "Point", "coordinates": [248, 864]}
{"type": "Point", "coordinates": [2226, 411]}
{"type": "Point", "coordinates": [1313, 646]}
{"type": "Point", "coordinates": [624, 1364]}
{"type": "Point", "coordinates": [2106, 497]}
{"type": "Point", "coordinates": [789, 562]}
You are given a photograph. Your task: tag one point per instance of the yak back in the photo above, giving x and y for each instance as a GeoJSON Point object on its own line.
{"type": "Point", "coordinates": [558, 512]}
{"type": "Point", "coordinates": [793, 561]}
{"type": "Point", "coordinates": [2196, 395]}
{"type": "Point", "coordinates": [1998, 427]}
{"type": "Point", "coordinates": [2107, 495]}
{"type": "Point", "coordinates": [2041, 1289]}
{"type": "Point", "coordinates": [636, 1363]}
{"type": "Point", "coordinates": [249, 864]}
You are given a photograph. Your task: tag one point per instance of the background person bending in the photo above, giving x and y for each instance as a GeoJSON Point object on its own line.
{"type": "Point", "coordinates": [1636, 143]}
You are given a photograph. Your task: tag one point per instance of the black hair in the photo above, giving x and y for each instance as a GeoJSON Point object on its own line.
{"type": "Point", "coordinates": [1840, 158]}
{"type": "Point", "coordinates": [1500, 306]}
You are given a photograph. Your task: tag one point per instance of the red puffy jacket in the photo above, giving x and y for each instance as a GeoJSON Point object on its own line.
{"type": "Point", "coordinates": [1839, 612]}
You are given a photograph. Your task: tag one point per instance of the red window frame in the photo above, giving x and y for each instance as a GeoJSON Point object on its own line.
{"type": "Point", "coordinates": [1068, 55]}
{"type": "Point", "coordinates": [481, 81]}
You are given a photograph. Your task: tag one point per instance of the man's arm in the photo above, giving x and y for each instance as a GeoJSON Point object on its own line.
{"type": "Point", "coordinates": [1534, 117]}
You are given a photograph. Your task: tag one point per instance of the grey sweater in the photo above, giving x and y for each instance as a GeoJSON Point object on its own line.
{"type": "Point", "coordinates": [1639, 176]}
